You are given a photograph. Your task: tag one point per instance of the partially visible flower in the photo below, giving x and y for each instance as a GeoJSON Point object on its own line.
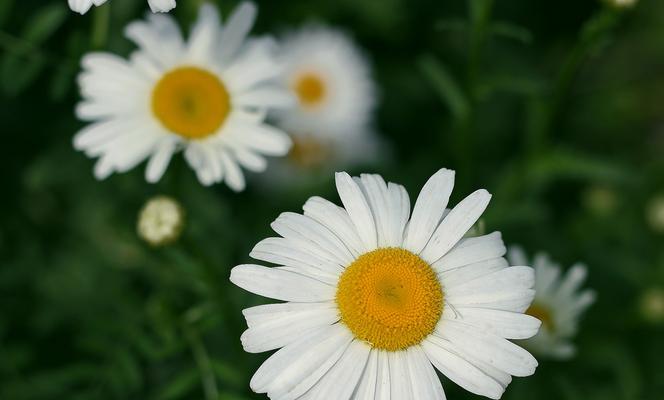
{"type": "Point", "coordinates": [207, 96]}
{"type": "Point", "coordinates": [376, 298]}
{"type": "Point", "coordinates": [600, 200]}
{"type": "Point", "coordinates": [558, 304]}
{"type": "Point", "coordinates": [621, 3]}
{"type": "Point", "coordinates": [651, 304]}
{"type": "Point", "coordinates": [82, 6]}
{"type": "Point", "coordinates": [160, 221]}
{"type": "Point", "coordinates": [655, 213]}
{"type": "Point", "coordinates": [331, 124]}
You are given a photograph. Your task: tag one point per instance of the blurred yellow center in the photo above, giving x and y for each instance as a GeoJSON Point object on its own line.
{"type": "Point", "coordinates": [390, 298]}
{"type": "Point", "coordinates": [310, 89]}
{"type": "Point", "coordinates": [541, 313]}
{"type": "Point", "coordinates": [191, 102]}
{"type": "Point", "coordinates": [308, 151]}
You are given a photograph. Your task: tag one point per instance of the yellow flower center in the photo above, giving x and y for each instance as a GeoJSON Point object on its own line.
{"type": "Point", "coordinates": [310, 89]}
{"type": "Point", "coordinates": [308, 151]}
{"type": "Point", "coordinates": [390, 298]}
{"type": "Point", "coordinates": [191, 102]}
{"type": "Point", "coordinates": [543, 314]}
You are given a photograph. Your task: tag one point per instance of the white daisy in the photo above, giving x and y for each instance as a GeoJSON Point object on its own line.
{"type": "Point", "coordinates": [207, 96]}
{"type": "Point", "coordinates": [558, 304]}
{"type": "Point", "coordinates": [375, 298]}
{"type": "Point", "coordinates": [160, 221]}
{"type": "Point", "coordinates": [82, 6]}
{"type": "Point", "coordinates": [336, 97]}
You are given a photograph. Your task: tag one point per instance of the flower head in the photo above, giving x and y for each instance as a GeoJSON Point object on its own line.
{"type": "Point", "coordinates": [207, 96]}
{"type": "Point", "coordinates": [160, 221]}
{"type": "Point", "coordinates": [375, 297]}
{"type": "Point", "coordinates": [655, 213]}
{"type": "Point", "coordinates": [82, 6]}
{"type": "Point", "coordinates": [335, 94]}
{"type": "Point", "coordinates": [652, 304]}
{"type": "Point", "coordinates": [558, 304]}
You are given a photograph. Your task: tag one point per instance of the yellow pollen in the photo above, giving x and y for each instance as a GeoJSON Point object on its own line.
{"type": "Point", "coordinates": [310, 89]}
{"type": "Point", "coordinates": [309, 152]}
{"type": "Point", "coordinates": [543, 314]}
{"type": "Point", "coordinates": [191, 102]}
{"type": "Point", "coordinates": [390, 298]}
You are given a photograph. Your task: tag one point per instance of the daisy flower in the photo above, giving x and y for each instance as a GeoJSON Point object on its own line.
{"type": "Point", "coordinates": [558, 304]}
{"type": "Point", "coordinates": [82, 6]}
{"type": "Point", "coordinates": [375, 298]}
{"type": "Point", "coordinates": [160, 221]}
{"type": "Point", "coordinates": [336, 97]}
{"type": "Point", "coordinates": [207, 96]}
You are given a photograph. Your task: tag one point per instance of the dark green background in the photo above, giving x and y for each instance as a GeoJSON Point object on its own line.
{"type": "Point", "coordinates": [540, 102]}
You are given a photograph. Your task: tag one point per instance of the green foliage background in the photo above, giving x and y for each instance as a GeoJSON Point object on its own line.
{"type": "Point", "coordinates": [556, 107]}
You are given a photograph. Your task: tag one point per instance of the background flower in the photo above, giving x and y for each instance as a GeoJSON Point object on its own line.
{"type": "Point", "coordinates": [537, 101]}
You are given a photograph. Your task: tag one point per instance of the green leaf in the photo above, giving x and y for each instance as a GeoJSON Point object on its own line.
{"type": "Point", "coordinates": [511, 31]}
{"type": "Point", "coordinates": [182, 385]}
{"type": "Point", "coordinates": [446, 86]}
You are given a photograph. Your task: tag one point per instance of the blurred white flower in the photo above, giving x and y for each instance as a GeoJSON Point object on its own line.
{"type": "Point", "coordinates": [655, 213]}
{"type": "Point", "coordinates": [160, 221]}
{"type": "Point", "coordinates": [376, 299]}
{"type": "Point", "coordinates": [622, 3]}
{"type": "Point", "coordinates": [331, 79]}
{"type": "Point", "coordinates": [558, 304]}
{"type": "Point", "coordinates": [82, 6]}
{"type": "Point", "coordinates": [652, 304]}
{"type": "Point", "coordinates": [601, 200]}
{"type": "Point", "coordinates": [207, 96]}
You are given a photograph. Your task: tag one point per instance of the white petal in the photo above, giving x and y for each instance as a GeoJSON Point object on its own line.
{"type": "Point", "coordinates": [237, 27]}
{"type": "Point", "coordinates": [492, 349]}
{"type": "Point", "coordinates": [459, 276]}
{"type": "Point", "coordinates": [429, 209]}
{"type": "Point", "coordinates": [358, 209]}
{"type": "Point", "coordinates": [337, 220]}
{"type": "Point", "coordinates": [399, 202]}
{"type": "Point", "coordinates": [505, 279]}
{"type": "Point", "coordinates": [265, 97]}
{"type": "Point", "coordinates": [572, 281]}
{"type": "Point", "coordinates": [517, 256]}
{"type": "Point", "coordinates": [313, 236]}
{"type": "Point", "coordinates": [458, 369]}
{"type": "Point", "coordinates": [386, 207]}
{"type": "Point", "coordinates": [288, 253]}
{"type": "Point", "coordinates": [508, 300]}
{"type": "Point", "coordinates": [261, 138]}
{"type": "Point", "coordinates": [472, 250]}
{"type": "Point", "coordinates": [507, 324]}
{"type": "Point", "coordinates": [161, 5]}
{"type": "Point", "coordinates": [279, 284]}
{"type": "Point", "coordinates": [400, 381]}
{"type": "Point", "coordinates": [234, 177]}
{"type": "Point", "coordinates": [366, 388]}
{"type": "Point", "coordinates": [455, 225]}
{"type": "Point", "coordinates": [340, 381]}
{"type": "Point", "coordinates": [159, 38]}
{"type": "Point", "coordinates": [159, 161]}
{"type": "Point", "coordinates": [383, 377]}
{"type": "Point", "coordinates": [204, 35]}
{"type": "Point", "coordinates": [426, 384]}
{"type": "Point", "coordinates": [285, 324]}
{"type": "Point", "coordinates": [294, 369]}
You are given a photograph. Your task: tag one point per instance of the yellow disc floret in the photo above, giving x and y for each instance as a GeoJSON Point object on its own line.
{"type": "Point", "coordinates": [191, 102]}
{"type": "Point", "coordinates": [543, 314]}
{"type": "Point", "coordinates": [390, 298]}
{"type": "Point", "coordinates": [310, 89]}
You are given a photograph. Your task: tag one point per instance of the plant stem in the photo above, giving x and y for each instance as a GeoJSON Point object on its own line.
{"type": "Point", "coordinates": [202, 362]}
{"type": "Point", "coordinates": [100, 25]}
